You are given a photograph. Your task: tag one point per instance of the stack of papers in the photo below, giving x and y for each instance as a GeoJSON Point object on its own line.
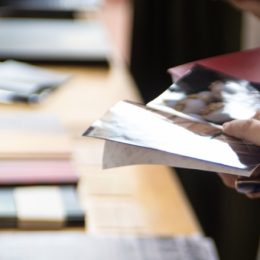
{"type": "Point", "coordinates": [182, 127]}
{"type": "Point", "coordinates": [40, 207]}
{"type": "Point", "coordinates": [37, 176]}
{"type": "Point", "coordinates": [21, 82]}
{"type": "Point", "coordinates": [61, 41]}
{"type": "Point", "coordinates": [35, 150]}
{"type": "Point", "coordinates": [48, 8]}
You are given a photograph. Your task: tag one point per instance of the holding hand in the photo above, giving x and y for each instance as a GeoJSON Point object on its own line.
{"type": "Point", "coordinates": [248, 130]}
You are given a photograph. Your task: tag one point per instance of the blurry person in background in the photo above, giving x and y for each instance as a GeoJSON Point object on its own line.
{"type": "Point", "coordinates": [252, 6]}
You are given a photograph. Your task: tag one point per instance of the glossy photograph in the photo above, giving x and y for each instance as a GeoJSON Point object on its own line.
{"type": "Point", "coordinates": [211, 96]}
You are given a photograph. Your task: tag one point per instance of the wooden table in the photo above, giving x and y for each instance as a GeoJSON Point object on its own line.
{"type": "Point", "coordinates": [134, 199]}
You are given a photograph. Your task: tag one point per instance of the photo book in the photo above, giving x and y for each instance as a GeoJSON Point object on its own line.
{"type": "Point", "coordinates": [182, 127]}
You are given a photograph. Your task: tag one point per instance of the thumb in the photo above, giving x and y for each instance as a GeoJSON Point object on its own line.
{"type": "Point", "coordinates": [248, 130]}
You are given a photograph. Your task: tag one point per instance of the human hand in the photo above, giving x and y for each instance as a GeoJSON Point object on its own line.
{"type": "Point", "coordinates": [243, 185]}
{"type": "Point", "coordinates": [248, 130]}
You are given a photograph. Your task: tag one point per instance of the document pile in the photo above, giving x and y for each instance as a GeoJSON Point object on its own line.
{"type": "Point", "coordinates": [38, 177]}
{"type": "Point", "coordinates": [183, 126]}
{"type": "Point", "coordinates": [21, 82]}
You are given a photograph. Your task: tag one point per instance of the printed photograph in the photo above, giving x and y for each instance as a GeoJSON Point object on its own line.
{"type": "Point", "coordinates": [212, 96]}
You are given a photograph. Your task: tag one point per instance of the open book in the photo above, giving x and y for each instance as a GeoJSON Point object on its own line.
{"type": "Point", "coordinates": [183, 126]}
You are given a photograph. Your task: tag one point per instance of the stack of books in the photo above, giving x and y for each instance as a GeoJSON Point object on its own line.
{"type": "Point", "coordinates": [55, 41]}
{"type": "Point", "coordinates": [40, 207]}
{"type": "Point", "coordinates": [38, 180]}
{"type": "Point", "coordinates": [21, 82]}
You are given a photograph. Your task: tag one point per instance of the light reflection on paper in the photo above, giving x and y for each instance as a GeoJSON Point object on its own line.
{"type": "Point", "coordinates": [132, 124]}
{"type": "Point", "coordinates": [211, 96]}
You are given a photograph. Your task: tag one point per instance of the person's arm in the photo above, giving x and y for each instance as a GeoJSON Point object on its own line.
{"type": "Point", "coordinates": [248, 130]}
{"type": "Point", "coordinates": [252, 6]}
{"type": "Point", "coordinates": [245, 129]}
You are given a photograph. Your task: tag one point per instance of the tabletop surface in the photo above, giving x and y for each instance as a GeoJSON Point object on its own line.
{"type": "Point", "coordinates": [140, 199]}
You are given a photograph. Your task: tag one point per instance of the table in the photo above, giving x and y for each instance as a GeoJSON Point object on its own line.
{"type": "Point", "coordinates": [134, 200]}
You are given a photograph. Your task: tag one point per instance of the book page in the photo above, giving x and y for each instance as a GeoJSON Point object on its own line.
{"type": "Point", "coordinates": [211, 96]}
{"type": "Point", "coordinates": [183, 126]}
{"type": "Point", "coordinates": [136, 125]}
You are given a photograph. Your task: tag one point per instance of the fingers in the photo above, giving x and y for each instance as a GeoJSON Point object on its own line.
{"type": "Point", "coordinates": [250, 186]}
{"type": "Point", "coordinates": [253, 195]}
{"type": "Point", "coordinates": [248, 130]}
{"type": "Point", "coordinates": [229, 180]}
{"type": "Point", "coordinates": [257, 115]}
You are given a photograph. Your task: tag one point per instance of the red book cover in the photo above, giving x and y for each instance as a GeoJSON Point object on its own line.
{"type": "Point", "coordinates": [242, 65]}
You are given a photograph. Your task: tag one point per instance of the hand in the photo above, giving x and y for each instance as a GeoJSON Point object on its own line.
{"type": "Point", "coordinates": [252, 6]}
{"type": "Point", "coordinates": [234, 182]}
{"type": "Point", "coordinates": [248, 130]}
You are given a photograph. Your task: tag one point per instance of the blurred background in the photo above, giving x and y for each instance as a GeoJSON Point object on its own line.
{"type": "Point", "coordinates": [158, 35]}
{"type": "Point", "coordinates": [169, 33]}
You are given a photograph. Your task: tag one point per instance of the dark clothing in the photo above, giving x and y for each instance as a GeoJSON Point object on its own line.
{"type": "Point", "coordinates": [171, 32]}
{"type": "Point", "coordinates": [167, 33]}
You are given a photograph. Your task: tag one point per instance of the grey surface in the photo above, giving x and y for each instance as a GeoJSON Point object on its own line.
{"type": "Point", "coordinates": [50, 40]}
{"type": "Point", "coordinates": [68, 246]}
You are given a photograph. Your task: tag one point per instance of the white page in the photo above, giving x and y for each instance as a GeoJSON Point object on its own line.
{"type": "Point", "coordinates": [191, 142]}
{"type": "Point", "coordinates": [120, 154]}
